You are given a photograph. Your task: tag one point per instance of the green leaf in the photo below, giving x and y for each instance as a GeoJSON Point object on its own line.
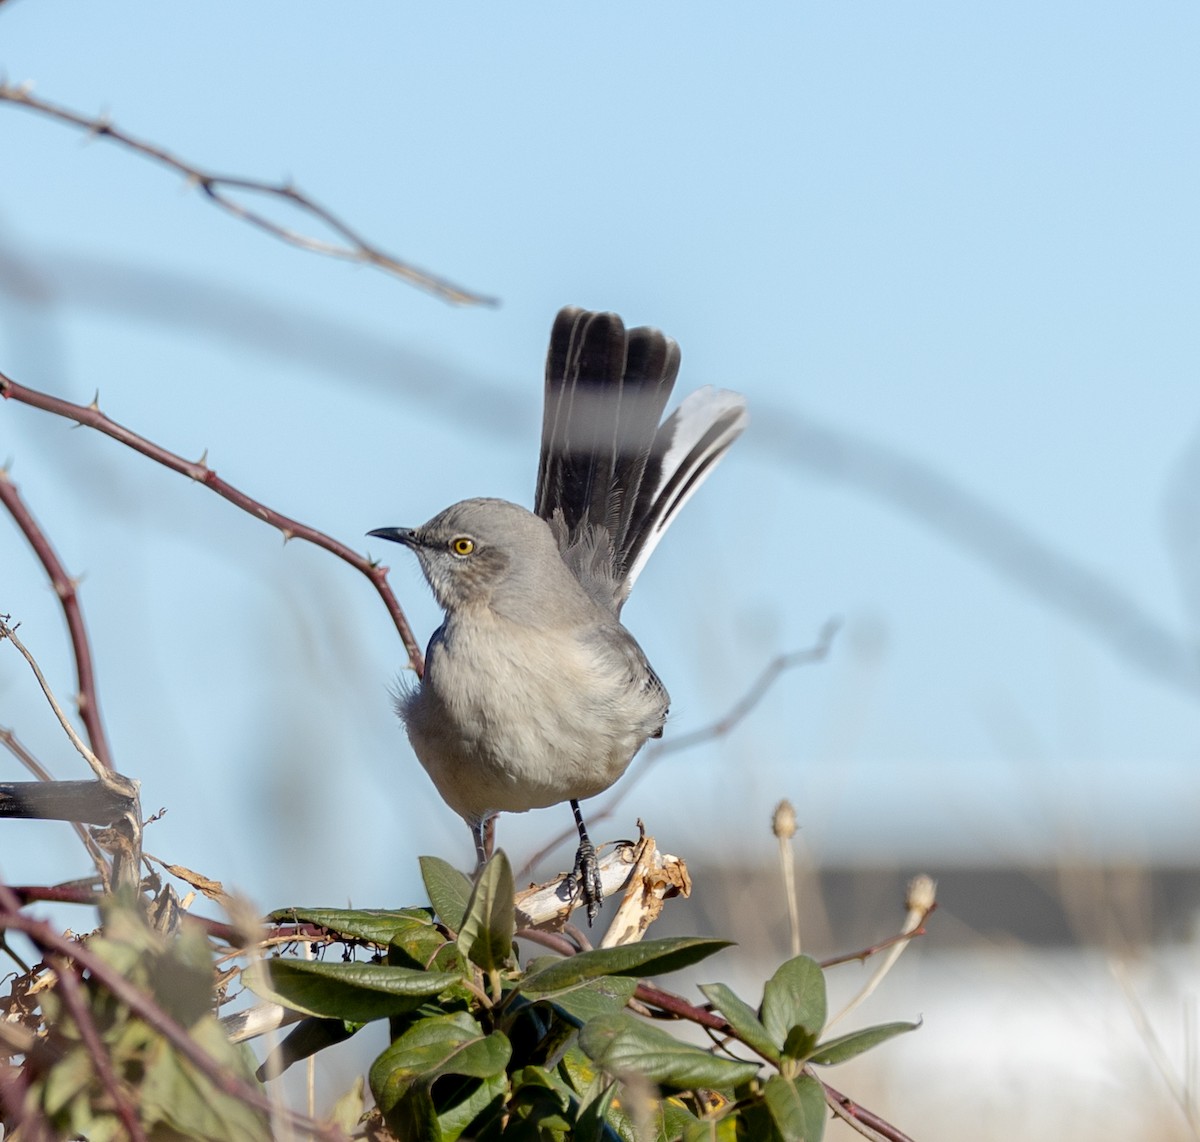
{"type": "Point", "coordinates": [181, 977]}
{"type": "Point", "coordinates": [442, 1044]}
{"type": "Point", "coordinates": [595, 997]}
{"type": "Point", "coordinates": [741, 1017]}
{"type": "Point", "coordinates": [308, 1037]}
{"type": "Point", "coordinates": [712, 1130]}
{"type": "Point", "coordinates": [794, 998]}
{"type": "Point", "coordinates": [847, 1046]}
{"type": "Point", "coordinates": [622, 1044]}
{"type": "Point", "coordinates": [486, 934]}
{"type": "Point", "coordinates": [375, 925]}
{"type": "Point", "coordinates": [458, 1113]}
{"type": "Point", "coordinates": [347, 1112]}
{"type": "Point", "coordinates": [650, 957]}
{"type": "Point", "coordinates": [176, 1100]}
{"type": "Point", "coordinates": [65, 1079]}
{"type": "Point", "coordinates": [423, 945]}
{"type": "Point", "coordinates": [592, 1124]}
{"type": "Point", "coordinates": [448, 890]}
{"type": "Point", "coordinates": [354, 992]}
{"type": "Point", "coordinates": [797, 1107]}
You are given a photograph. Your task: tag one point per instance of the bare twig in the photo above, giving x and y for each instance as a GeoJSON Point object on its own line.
{"type": "Point", "coordinates": [921, 899]}
{"type": "Point", "coordinates": [123, 838]}
{"type": "Point", "coordinates": [1070, 587]}
{"type": "Point", "coordinates": [64, 588]}
{"type": "Point", "coordinates": [102, 772]}
{"type": "Point", "coordinates": [1177, 1085]}
{"type": "Point", "coordinates": [751, 698]}
{"type": "Point", "coordinates": [351, 247]}
{"type": "Point", "coordinates": [858, 1117]}
{"type": "Point", "coordinates": [198, 470]}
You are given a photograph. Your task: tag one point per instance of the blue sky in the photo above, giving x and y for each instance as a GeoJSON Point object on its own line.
{"type": "Point", "coordinates": [966, 236]}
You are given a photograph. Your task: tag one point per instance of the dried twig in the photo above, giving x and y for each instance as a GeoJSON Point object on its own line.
{"type": "Point", "coordinates": [64, 588]}
{"type": "Point", "coordinates": [351, 247]}
{"type": "Point", "coordinates": [920, 900]}
{"type": "Point", "coordinates": [123, 838]}
{"type": "Point", "coordinates": [198, 470]}
{"type": "Point", "coordinates": [783, 825]}
{"type": "Point", "coordinates": [751, 698]}
{"type": "Point", "coordinates": [102, 772]}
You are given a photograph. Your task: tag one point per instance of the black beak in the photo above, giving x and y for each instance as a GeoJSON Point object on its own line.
{"type": "Point", "coordinates": [396, 535]}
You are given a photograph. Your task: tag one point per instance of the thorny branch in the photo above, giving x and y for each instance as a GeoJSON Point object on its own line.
{"type": "Point", "coordinates": [352, 247]}
{"type": "Point", "coordinates": [198, 470]}
{"type": "Point", "coordinates": [719, 728]}
{"type": "Point", "coordinates": [64, 588]}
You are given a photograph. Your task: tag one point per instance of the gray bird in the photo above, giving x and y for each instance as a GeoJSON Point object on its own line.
{"type": "Point", "coordinates": [534, 693]}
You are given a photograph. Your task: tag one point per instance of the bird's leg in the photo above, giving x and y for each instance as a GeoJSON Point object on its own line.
{"type": "Point", "coordinates": [477, 828]}
{"type": "Point", "coordinates": [585, 877]}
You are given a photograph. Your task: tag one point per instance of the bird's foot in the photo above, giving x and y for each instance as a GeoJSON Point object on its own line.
{"type": "Point", "coordinates": [584, 879]}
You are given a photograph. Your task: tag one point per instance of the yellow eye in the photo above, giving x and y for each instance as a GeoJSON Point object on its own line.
{"type": "Point", "coordinates": [463, 545]}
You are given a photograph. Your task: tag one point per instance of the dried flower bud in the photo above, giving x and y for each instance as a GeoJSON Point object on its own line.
{"type": "Point", "coordinates": [783, 823]}
{"type": "Point", "coordinates": [922, 894]}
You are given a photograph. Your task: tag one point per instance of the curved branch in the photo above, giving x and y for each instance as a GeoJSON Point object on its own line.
{"type": "Point", "coordinates": [198, 470]}
{"type": "Point", "coordinates": [353, 247]}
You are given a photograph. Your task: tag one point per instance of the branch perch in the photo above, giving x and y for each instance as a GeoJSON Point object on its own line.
{"type": "Point", "coordinates": [352, 247]}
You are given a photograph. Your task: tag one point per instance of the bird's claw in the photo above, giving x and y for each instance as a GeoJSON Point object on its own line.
{"type": "Point", "coordinates": [584, 879]}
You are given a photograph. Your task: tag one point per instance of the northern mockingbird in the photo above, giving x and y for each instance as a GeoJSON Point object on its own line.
{"type": "Point", "coordinates": [534, 693]}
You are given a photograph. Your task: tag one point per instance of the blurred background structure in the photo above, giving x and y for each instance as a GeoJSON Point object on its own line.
{"type": "Point", "coordinates": [951, 257]}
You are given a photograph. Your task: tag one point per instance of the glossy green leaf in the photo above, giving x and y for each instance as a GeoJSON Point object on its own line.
{"type": "Point", "coordinates": [623, 1044]}
{"type": "Point", "coordinates": [595, 997]}
{"type": "Point", "coordinates": [448, 890]}
{"type": "Point", "coordinates": [592, 1123]}
{"type": "Point", "coordinates": [486, 934]}
{"type": "Point", "coordinates": [742, 1018]}
{"type": "Point", "coordinates": [650, 957]}
{"type": "Point", "coordinates": [794, 998]}
{"type": "Point", "coordinates": [455, 1113]}
{"type": "Point", "coordinates": [845, 1047]}
{"type": "Point", "coordinates": [440, 1045]}
{"type": "Point", "coordinates": [797, 1107]}
{"type": "Point", "coordinates": [375, 925]}
{"type": "Point", "coordinates": [354, 992]}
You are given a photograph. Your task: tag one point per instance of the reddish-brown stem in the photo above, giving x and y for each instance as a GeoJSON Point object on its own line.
{"type": "Point", "coordinates": [849, 1110]}
{"type": "Point", "coordinates": [198, 470]}
{"type": "Point", "coordinates": [874, 949]}
{"type": "Point", "coordinates": [352, 246]}
{"type": "Point", "coordinates": [679, 1007]}
{"type": "Point", "coordinates": [64, 588]}
{"type": "Point", "coordinates": [72, 997]}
